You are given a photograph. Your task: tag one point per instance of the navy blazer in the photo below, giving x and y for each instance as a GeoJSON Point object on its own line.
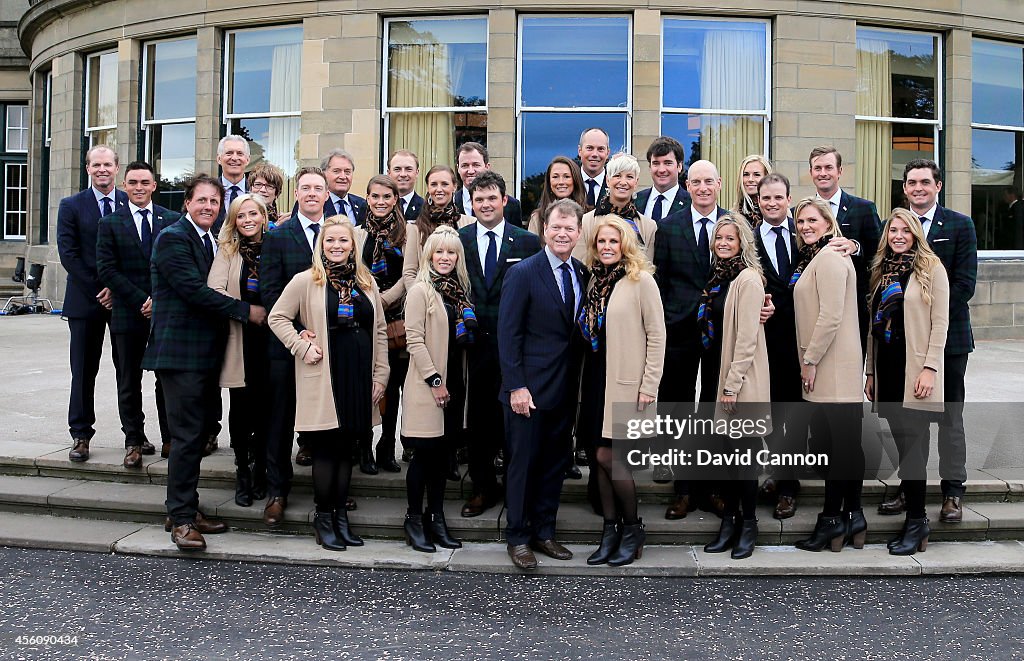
{"type": "Point", "coordinates": [858, 220]}
{"type": "Point", "coordinates": [680, 202]}
{"type": "Point", "coordinates": [539, 345]}
{"type": "Point", "coordinates": [416, 202]}
{"type": "Point", "coordinates": [780, 329]}
{"type": "Point", "coordinates": [513, 209]}
{"type": "Point", "coordinates": [125, 267]}
{"type": "Point", "coordinates": [78, 219]}
{"type": "Point", "coordinates": [954, 239]}
{"type": "Point", "coordinates": [285, 253]}
{"type": "Point", "coordinates": [358, 208]}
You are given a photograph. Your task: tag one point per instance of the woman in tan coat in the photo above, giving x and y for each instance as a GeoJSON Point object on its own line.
{"type": "Point", "coordinates": [341, 374]}
{"type": "Point", "coordinates": [825, 299]}
{"type": "Point", "coordinates": [623, 175]}
{"type": "Point", "coordinates": [439, 323]}
{"type": "Point", "coordinates": [623, 323]}
{"type": "Point", "coordinates": [236, 273]}
{"type": "Point", "coordinates": [909, 306]}
{"type": "Point", "coordinates": [729, 315]}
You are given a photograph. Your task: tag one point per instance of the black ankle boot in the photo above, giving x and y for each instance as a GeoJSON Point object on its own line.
{"type": "Point", "coordinates": [415, 535]}
{"type": "Point", "coordinates": [828, 531]}
{"type": "Point", "coordinates": [632, 545]}
{"type": "Point", "coordinates": [856, 528]}
{"type": "Point", "coordinates": [325, 533]}
{"type": "Point", "coordinates": [744, 547]}
{"type": "Point", "coordinates": [243, 479]}
{"type": "Point", "coordinates": [611, 536]}
{"type": "Point", "coordinates": [727, 534]}
{"type": "Point", "coordinates": [899, 537]}
{"type": "Point", "coordinates": [386, 456]}
{"type": "Point", "coordinates": [915, 538]}
{"type": "Point", "coordinates": [439, 531]}
{"type": "Point", "coordinates": [340, 521]}
{"type": "Point", "coordinates": [367, 465]}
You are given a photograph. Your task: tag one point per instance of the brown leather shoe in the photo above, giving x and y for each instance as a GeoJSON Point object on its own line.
{"type": "Point", "coordinates": [522, 556]}
{"type": "Point", "coordinates": [148, 448]}
{"type": "Point", "coordinates": [477, 505]}
{"type": "Point", "coordinates": [187, 538]}
{"type": "Point", "coordinates": [273, 513]}
{"type": "Point", "coordinates": [351, 504]}
{"type": "Point", "coordinates": [952, 510]}
{"type": "Point", "coordinates": [678, 509]}
{"type": "Point", "coordinates": [304, 457]}
{"type": "Point", "coordinates": [785, 508]}
{"type": "Point", "coordinates": [895, 505]}
{"type": "Point", "coordinates": [133, 456]}
{"type": "Point", "coordinates": [210, 446]}
{"type": "Point", "coordinates": [717, 504]}
{"type": "Point", "coordinates": [551, 548]}
{"type": "Point", "coordinates": [165, 450]}
{"type": "Point", "coordinates": [80, 452]}
{"type": "Point", "coordinates": [203, 524]}
{"type": "Point", "coordinates": [768, 489]}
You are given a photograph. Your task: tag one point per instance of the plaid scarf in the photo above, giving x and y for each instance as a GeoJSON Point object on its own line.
{"type": "Point", "coordinates": [890, 292]}
{"type": "Point", "coordinates": [446, 215]}
{"type": "Point", "coordinates": [807, 253]}
{"type": "Point", "coordinates": [380, 230]}
{"type": "Point", "coordinates": [250, 252]}
{"type": "Point", "coordinates": [591, 318]}
{"type": "Point", "coordinates": [723, 272]}
{"type": "Point", "coordinates": [628, 213]}
{"type": "Point", "coordinates": [752, 212]}
{"type": "Point", "coordinates": [342, 279]}
{"type": "Point", "coordinates": [454, 294]}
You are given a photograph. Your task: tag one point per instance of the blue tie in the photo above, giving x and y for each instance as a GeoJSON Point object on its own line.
{"type": "Point", "coordinates": [568, 295]}
{"type": "Point", "coordinates": [108, 208]}
{"type": "Point", "coordinates": [342, 208]}
{"type": "Point", "coordinates": [591, 196]}
{"type": "Point", "coordinates": [146, 233]}
{"type": "Point", "coordinates": [656, 212]}
{"type": "Point", "coordinates": [316, 231]}
{"type": "Point", "coordinates": [233, 193]}
{"type": "Point", "coordinates": [781, 254]}
{"type": "Point", "coordinates": [208, 249]}
{"type": "Point", "coordinates": [704, 244]}
{"type": "Point", "coordinates": [491, 259]}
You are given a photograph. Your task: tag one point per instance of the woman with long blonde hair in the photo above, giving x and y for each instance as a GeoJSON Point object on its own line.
{"type": "Point", "coordinates": [909, 305]}
{"type": "Point", "coordinates": [341, 374]}
{"type": "Point", "coordinates": [753, 169]}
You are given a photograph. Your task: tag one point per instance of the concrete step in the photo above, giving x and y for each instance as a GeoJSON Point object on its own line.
{"type": "Point", "coordinates": [383, 517]}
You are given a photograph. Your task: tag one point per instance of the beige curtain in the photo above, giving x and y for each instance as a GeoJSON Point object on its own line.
{"type": "Point", "coordinates": [874, 139]}
{"type": "Point", "coordinates": [283, 132]}
{"type": "Point", "coordinates": [729, 81]}
{"type": "Point", "coordinates": [418, 77]}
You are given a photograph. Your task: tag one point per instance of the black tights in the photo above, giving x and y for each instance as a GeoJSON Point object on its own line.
{"type": "Point", "coordinates": [615, 492]}
{"type": "Point", "coordinates": [842, 496]}
{"type": "Point", "coordinates": [428, 471]}
{"type": "Point", "coordinates": [837, 427]}
{"type": "Point", "coordinates": [740, 495]}
{"type": "Point", "coordinates": [332, 469]}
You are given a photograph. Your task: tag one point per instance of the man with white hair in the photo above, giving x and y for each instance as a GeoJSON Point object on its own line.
{"type": "Point", "coordinates": [233, 158]}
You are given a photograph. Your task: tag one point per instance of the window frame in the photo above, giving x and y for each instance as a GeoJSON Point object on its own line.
{"type": "Point", "coordinates": [24, 129]}
{"type": "Point", "coordinates": [4, 177]}
{"type": "Point", "coordinates": [228, 116]}
{"type": "Point", "coordinates": [144, 123]}
{"type": "Point", "coordinates": [88, 129]}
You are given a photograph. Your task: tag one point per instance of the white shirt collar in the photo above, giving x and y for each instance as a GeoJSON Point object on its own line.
{"type": "Point", "coordinates": [670, 194]}
{"type": "Point", "coordinates": [554, 261]}
{"type": "Point", "coordinates": [199, 230]}
{"type": "Point", "coordinates": [599, 178]}
{"type": "Point", "coordinates": [499, 230]}
{"type": "Point", "coordinates": [766, 229]}
{"type": "Point", "coordinates": [135, 210]}
{"type": "Point", "coordinates": [835, 199]}
{"type": "Point", "coordinates": [227, 184]}
{"type": "Point", "coordinates": [930, 214]}
{"type": "Point", "coordinates": [306, 222]}
{"type": "Point", "coordinates": [467, 202]}
{"type": "Point", "coordinates": [713, 216]}
{"type": "Point", "coordinates": [406, 199]}
{"type": "Point", "coordinates": [112, 196]}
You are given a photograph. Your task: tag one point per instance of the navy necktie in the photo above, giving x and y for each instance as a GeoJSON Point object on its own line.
{"type": "Point", "coordinates": [233, 192]}
{"type": "Point", "coordinates": [568, 295]}
{"type": "Point", "coordinates": [108, 208]}
{"type": "Point", "coordinates": [704, 243]}
{"type": "Point", "coordinates": [491, 259]}
{"type": "Point", "coordinates": [656, 211]}
{"type": "Point", "coordinates": [146, 234]}
{"type": "Point", "coordinates": [781, 254]}
{"type": "Point", "coordinates": [591, 199]}
{"type": "Point", "coordinates": [208, 249]}
{"type": "Point", "coordinates": [342, 208]}
{"type": "Point", "coordinates": [316, 231]}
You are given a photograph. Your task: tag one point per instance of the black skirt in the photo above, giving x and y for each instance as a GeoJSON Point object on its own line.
{"type": "Point", "coordinates": [351, 351]}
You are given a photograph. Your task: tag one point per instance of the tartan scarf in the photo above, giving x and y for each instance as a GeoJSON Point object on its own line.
{"type": "Point", "coordinates": [890, 292]}
{"type": "Point", "coordinates": [591, 318]}
{"type": "Point", "coordinates": [807, 253]}
{"type": "Point", "coordinates": [723, 272]}
{"type": "Point", "coordinates": [454, 294]}
{"type": "Point", "coordinates": [342, 279]}
{"type": "Point", "coordinates": [628, 213]}
{"type": "Point", "coordinates": [380, 230]}
{"type": "Point", "coordinates": [446, 215]}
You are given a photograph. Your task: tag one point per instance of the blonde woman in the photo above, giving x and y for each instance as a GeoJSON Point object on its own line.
{"type": "Point", "coordinates": [439, 323]}
{"type": "Point", "coordinates": [753, 169]}
{"type": "Point", "coordinates": [824, 286]}
{"type": "Point", "coordinates": [341, 374]}
{"type": "Point", "coordinates": [909, 306]}
{"type": "Point", "coordinates": [731, 328]}
{"type": "Point", "coordinates": [236, 273]}
{"type": "Point", "coordinates": [622, 174]}
{"type": "Point", "coordinates": [623, 324]}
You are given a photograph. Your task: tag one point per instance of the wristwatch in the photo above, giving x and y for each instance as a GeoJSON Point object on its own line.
{"type": "Point", "coordinates": [434, 381]}
{"type": "Point", "coordinates": [807, 362]}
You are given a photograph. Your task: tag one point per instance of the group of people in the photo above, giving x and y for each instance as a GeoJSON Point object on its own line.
{"type": "Point", "coordinates": [518, 343]}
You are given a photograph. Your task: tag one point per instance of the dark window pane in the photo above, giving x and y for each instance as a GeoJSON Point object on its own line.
{"type": "Point", "coordinates": [437, 63]}
{"type": "Point", "coordinates": [998, 85]}
{"type": "Point", "coordinates": [996, 161]}
{"type": "Point", "coordinates": [265, 70]}
{"type": "Point", "coordinates": [171, 79]}
{"type": "Point", "coordinates": [714, 64]}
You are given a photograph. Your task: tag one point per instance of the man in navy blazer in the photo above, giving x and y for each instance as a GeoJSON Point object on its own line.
{"type": "Point", "coordinates": [667, 196]}
{"type": "Point", "coordinates": [471, 159]}
{"type": "Point", "coordinates": [233, 156]}
{"type": "Point", "coordinates": [404, 168]}
{"type": "Point", "coordinates": [87, 302]}
{"type": "Point", "coordinates": [124, 246]}
{"type": "Point", "coordinates": [540, 348]}
{"type": "Point", "coordinates": [593, 151]}
{"type": "Point", "coordinates": [492, 246]}
{"type": "Point", "coordinates": [339, 167]}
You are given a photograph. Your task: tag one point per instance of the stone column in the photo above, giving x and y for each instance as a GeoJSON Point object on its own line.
{"type": "Point", "coordinates": [129, 59]}
{"type": "Point", "coordinates": [646, 85]}
{"type": "Point", "coordinates": [501, 93]}
{"type": "Point", "coordinates": [209, 98]}
{"type": "Point", "coordinates": [956, 157]}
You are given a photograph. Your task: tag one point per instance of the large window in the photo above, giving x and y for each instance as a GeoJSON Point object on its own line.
{"type": "Point", "coordinates": [715, 91]}
{"type": "Point", "coordinates": [261, 102]}
{"type": "Point", "coordinates": [899, 106]}
{"type": "Point", "coordinates": [997, 145]}
{"type": "Point", "coordinates": [574, 73]}
{"type": "Point", "coordinates": [17, 128]}
{"type": "Point", "coordinates": [13, 170]}
{"type": "Point", "coordinates": [101, 99]}
{"type": "Point", "coordinates": [435, 93]}
{"type": "Point", "coordinates": [168, 113]}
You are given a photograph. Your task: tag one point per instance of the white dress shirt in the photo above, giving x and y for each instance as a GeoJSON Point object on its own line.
{"type": "Point", "coordinates": [927, 218]}
{"type": "Point", "coordinates": [306, 222]}
{"type": "Point", "coordinates": [138, 218]}
{"type": "Point", "coordinates": [713, 217]}
{"type": "Point", "coordinates": [768, 238]}
{"type": "Point", "coordinates": [482, 240]}
{"type": "Point", "coordinates": [201, 232]}
{"type": "Point", "coordinates": [670, 196]}
{"type": "Point", "coordinates": [556, 270]}
{"type": "Point", "coordinates": [467, 203]}
{"type": "Point", "coordinates": [112, 196]}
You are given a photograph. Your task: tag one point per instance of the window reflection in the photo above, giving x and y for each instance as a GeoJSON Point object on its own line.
{"type": "Point", "coordinates": [273, 140]}
{"type": "Point", "coordinates": [996, 167]}
{"type": "Point", "coordinates": [896, 74]}
{"type": "Point", "coordinates": [264, 68]}
{"type": "Point", "coordinates": [998, 83]}
{"type": "Point", "coordinates": [171, 79]}
{"type": "Point", "coordinates": [714, 65]}
{"type": "Point", "coordinates": [437, 63]}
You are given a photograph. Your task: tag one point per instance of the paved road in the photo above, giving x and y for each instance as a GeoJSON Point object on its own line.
{"type": "Point", "coordinates": [146, 608]}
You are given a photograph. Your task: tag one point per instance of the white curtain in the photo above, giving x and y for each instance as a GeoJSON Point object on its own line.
{"type": "Point", "coordinates": [283, 132]}
{"type": "Point", "coordinates": [874, 139]}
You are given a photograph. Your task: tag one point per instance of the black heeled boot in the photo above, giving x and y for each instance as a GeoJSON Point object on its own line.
{"type": "Point", "coordinates": [744, 547]}
{"type": "Point", "coordinates": [243, 478]}
{"type": "Point", "coordinates": [915, 538]}
{"type": "Point", "coordinates": [367, 465]}
{"type": "Point", "coordinates": [611, 537]}
{"type": "Point", "coordinates": [439, 531]}
{"type": "Point", "coordinates": [340, 521]}
{"type": "Point", "coordinates": [898, 538]}
{"type": "Point", "coordinates": [632, 545]}
{"type": "Point", "coordinates": [325, 533]}
{"type": "Point", "coordinates": [856, 528]}
{"type": "Point", "coordinates": [828, 531]}
{"type": "Point", "coordinates": [386, 456]}
{"type": "Point", "coordinates": [415, 535]}
{"type": "Point", "coordinates": [727, 534]}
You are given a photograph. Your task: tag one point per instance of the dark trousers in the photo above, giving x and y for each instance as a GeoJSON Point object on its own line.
{"type": "Point", "coordinates": [248, 418]}
{"type": "Point", "coordinates": [188, 396]}
{"type": "Point", "coordinates": [485, 428]}
{"type": "Point", "coordinates": [398, 360]}
{"type": "Point", "coordinates": [129, 349]}
{"type": "Point", "coordinates": [952, 440]}
{"type": "Point", "coordinates": [679, 384]}
{"type": "Point", "coordinates": [280, 426]}
{"type": "Point", "coordinates": [789, 417]}
{"type": "Point", "coordinates": [536, 457]}
{"type": "Point", "coordinates": [86, 349]}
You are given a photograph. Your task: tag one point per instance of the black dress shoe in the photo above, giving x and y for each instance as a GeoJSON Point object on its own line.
{"type": "Point", "coordinates": [522, 556]}
{"type": "Point", "coordinates": [326, 536]}
{"type": "Point", "coordinates": [744, 547]}
{"type": "Point", "coordinates": [573, 473]}
{"type": "Point", "coordinates": [148, 448]}
{"type": "Point", "coordinates": [610, 538]}
{"type": "Point", "coordinates": [80, 452]}
{"type": "Point", "coordinates": [581, 457]}
{"type": "Point", "coordinates": [632, 545]}
{"type": "Point", "coordinates": [345, 534]}
{"type": "Point", "coordinates": [551, 548]}
{"type": "Point", "coordinates": [662, 474]}
{"type": "Point", "coordinates": [439, 532]}
{"type": "Point", "coordinates": [387, 463]}
{"type": "Point", "coordinates": [367, 465]}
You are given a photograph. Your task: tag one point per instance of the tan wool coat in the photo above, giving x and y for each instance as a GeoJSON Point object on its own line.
{"type": "Point", "coordinates": [828, 329]}
{"type": "Point", "coordinates": [648, 228]}
{"type": "Point", "coordinates": [635, 333]}
{"type": "Point", "coordinates": [414, 250]}
{"type": "Point", "coordinates": [924, 327]}
{"type": "Point", "coordinates": [224, 278]}
{"type": "Point", "coordinates": [306, 301]}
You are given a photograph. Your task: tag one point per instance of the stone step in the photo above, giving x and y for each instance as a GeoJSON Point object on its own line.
{"type": "Point", "coordinates": [383, 517]}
